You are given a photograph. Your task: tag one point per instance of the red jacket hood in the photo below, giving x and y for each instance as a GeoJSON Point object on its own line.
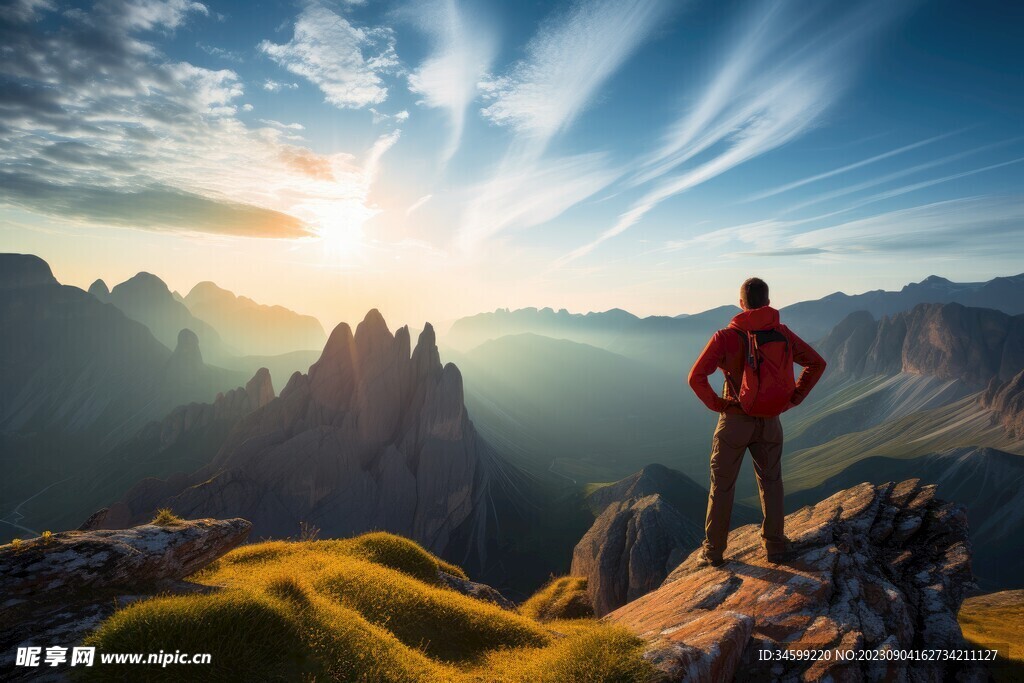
{"type": "Point", "coordinates": [764, 318]}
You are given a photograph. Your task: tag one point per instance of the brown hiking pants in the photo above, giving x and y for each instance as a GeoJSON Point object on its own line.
{"type": "Point", "coordinates": [733, 436]}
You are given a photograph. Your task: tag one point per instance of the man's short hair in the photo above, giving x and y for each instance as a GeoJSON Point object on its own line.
{"type": "Point", "coordinates": [754, 293]}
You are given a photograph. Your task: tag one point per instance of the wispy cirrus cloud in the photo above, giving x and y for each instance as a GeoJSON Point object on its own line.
{"type": "Point", "coordinates": [969, 226]}
{"type": "Point", "coordinates": [346, 62]}
{"type": "Point", "coordinates": [846, 168]}
{"type": "Point", "coordinates": [572, 55]}
{"type": "Point", "coordinates": [567, 61]}
{"type": "Point", "coordinates": [523, 194]}
{"type": "Point", "coordinates": [461, 53]}
{"type": "Point", "coordinates": [788, 64]}
{"type": "Point", "coordinates": [98, 126]}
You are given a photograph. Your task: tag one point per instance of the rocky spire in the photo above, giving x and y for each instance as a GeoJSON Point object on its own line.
{"type": "Point", "coordinates": [260, 389]}
{"type": "Point", "coordinates": [187, 357]}
{"type": "Point", "coordinates": [100, 290]}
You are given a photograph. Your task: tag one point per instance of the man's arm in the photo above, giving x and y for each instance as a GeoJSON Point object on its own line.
{"type": "Point", "coordinates": [707, 363]}
{"type": "Point", "coordinates": [813, 367]}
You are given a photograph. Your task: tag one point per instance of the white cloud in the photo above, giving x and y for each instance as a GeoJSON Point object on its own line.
{"type": "Point", "coordinates": [780, 76]}
{"type": "Point", "coordinates": [133, 139]}
{"type": "Point", "coordinates": [530, 191]}
{"type": "Point", "coordinates": [147, 15]}
{"type": "Point", "coordinates": [568, 60]}
{"type": "Point", "coordinates": [282, 126]}
{"type": "Point", "coordinates": [418, 203]}
{"type": "Point", "coordinates": [971, 226]}
{"type": "Point", "coordinates": [848, 167]}
{"type": "Point", "coordinates": [270, 85]}
{"type": "Point", "coordinates": [344, 61]}
{"type": "Point", "coordinates": [211, 91]}
{"type": "Point", "coordinates": [462, 52]}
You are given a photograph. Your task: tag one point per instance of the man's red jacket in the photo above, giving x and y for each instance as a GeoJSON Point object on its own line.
{"type": "Point", "coordinates": [725, 351]}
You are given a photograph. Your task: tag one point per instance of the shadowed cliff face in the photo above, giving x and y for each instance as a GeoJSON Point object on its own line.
{"type": "Point", "coordinates": [947, 341]}
{"type": "Point", "coordinates": [1007, 401]}
{"type": "Point", "coordinates": [872, 567]}
{"type": "Point", "coordinates": [646, 525]}
{"type": "Point", "coordinates": [372, 438]}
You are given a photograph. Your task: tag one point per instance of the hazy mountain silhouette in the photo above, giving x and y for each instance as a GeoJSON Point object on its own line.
{"type": "Point", "coordinates": [645, 338]}
{"type": "Point", "coordinates": [657, 341]}
{"type": "Point", "coordinates": [814, 319]}
{"type": "Point", "coordinates": [254, 329]}
{"type": "Point", "coordinates": [79, 377]}
{"type": "Point", "coordinates": [146, 298]}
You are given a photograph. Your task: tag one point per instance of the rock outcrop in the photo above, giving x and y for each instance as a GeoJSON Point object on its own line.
{"type": "Point", "coordinates": [631, 548]}
{"type": "Point", "coordinates": [372, 438]}
{"type": "Point", "coordinates": [646, 524]}
{"type": "Point", "coordinates": [232, 405]}
{"type": "Point", "coordinates": [872, 568]}
{"type": "Point", "coordinates": [947, 341]}
{"type": "Point", "coordinates": [56, 588]}
{"type": "Point", "coordinates": [480, 591]}
{"type": "Point", "coordinates": [1006, 400]}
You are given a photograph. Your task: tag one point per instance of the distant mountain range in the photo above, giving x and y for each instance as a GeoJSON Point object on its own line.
{"type": "Point", "coordinates": [227, 325]}
{"type": "Point", "coordinates": [80, 377]}
{"type": "Point", "coordinates": [254, 329]}
{"type": "Point", "coordinates": [630, 335]}
{"type": "Point", "coordinates": [947, 341]}
{"type": "Point", "coordinates": [147, 299]}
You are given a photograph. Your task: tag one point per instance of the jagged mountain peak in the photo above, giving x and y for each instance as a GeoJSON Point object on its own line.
{"type": "Point", "coordinates": [371, 438]}
{"type": "Point", "coordinates": [260, 389]}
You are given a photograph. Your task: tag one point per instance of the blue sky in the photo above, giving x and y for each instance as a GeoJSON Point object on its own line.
{"type": "Point", "coordinates": [439, 158]}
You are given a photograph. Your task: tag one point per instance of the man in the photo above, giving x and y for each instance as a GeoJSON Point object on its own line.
{"type": "Point", "coordinates": [756, 354]}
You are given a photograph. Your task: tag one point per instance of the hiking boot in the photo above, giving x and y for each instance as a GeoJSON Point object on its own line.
{"type": "Point", "coordinates": [706, 560]}
{"type": "Point", "coordinates": [779, 556]}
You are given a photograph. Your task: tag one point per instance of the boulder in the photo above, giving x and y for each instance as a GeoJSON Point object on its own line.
{"type": "Point", "coordinates": [631, 548]}
{"type": "Point", "coordinates": [646, 524]}
{"type": "Point", "coordinates": [480, 591]}
{"type": "Point", "coordinates": [871, 568]}
{"type": "Point", "coordinates": [57, 588]}
{"type": "Point", "coordinates": [147, 555]}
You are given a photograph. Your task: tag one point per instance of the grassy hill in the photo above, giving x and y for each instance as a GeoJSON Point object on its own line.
{"type": "Point", "coordinates": [370, 608]}
{"type": "Point", "coordinates": [993, 621]}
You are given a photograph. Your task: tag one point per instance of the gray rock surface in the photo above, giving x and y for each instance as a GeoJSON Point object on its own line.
{"type": "Point", "coordinates": [480, 591]}
{"type": "Point", "coordinates": [872, 568]}
{"type": "Point", "coordinates": [55, 590]}
{"type": "Point", "coordinates": [631, 548]}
